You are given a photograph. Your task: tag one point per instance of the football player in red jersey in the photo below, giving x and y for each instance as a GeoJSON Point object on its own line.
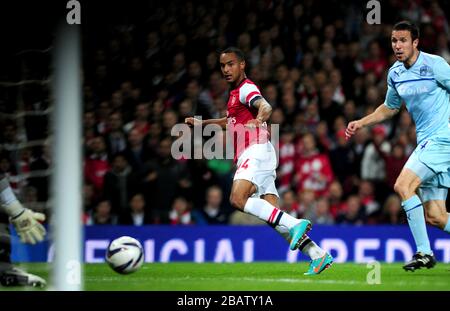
{"type": "Point", "coordinates": [253, 190]}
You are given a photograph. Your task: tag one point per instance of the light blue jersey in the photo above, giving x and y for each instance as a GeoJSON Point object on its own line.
{"type": "Point", "coordinates": [425, 89]}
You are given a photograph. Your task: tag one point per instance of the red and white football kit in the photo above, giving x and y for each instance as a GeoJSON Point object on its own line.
{"type": "Point", "coordinates": [254, 154]}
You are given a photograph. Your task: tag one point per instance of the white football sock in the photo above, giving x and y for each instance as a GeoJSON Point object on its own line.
{"type": "Point", "coordinates": [312, 250]}
{"type": "Point", "coordinates": [268, 213]}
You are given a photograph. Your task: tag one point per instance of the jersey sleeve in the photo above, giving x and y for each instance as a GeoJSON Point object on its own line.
{"type": "Point", "coordinates": [248, 94]}
{"type": "Point", "coordinates": [393, 99]}
{"type": "Point", "coordinates": [441, 70]}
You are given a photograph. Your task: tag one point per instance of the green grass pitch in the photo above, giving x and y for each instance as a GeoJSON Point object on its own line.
{"type": "Point", "coordinates": [256, 277]}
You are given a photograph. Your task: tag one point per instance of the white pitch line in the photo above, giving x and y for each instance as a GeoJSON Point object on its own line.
{"type": "Point", "coordinates": [310, 280]}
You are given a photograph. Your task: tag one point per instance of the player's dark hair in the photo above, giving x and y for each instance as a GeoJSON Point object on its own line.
{"type": "Point", "coordinates": [240, 55]}
{"type": "Point", "coordinates": [412, 28]}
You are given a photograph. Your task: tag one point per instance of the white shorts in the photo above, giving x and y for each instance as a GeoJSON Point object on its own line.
{"type": "Point", "coordinates": [257, 164]}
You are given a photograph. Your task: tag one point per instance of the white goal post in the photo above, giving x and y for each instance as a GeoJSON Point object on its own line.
{"type": "Point", "coordinates": [67, 158]}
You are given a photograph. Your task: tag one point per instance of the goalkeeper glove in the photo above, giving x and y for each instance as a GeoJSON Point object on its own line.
{"type": "Point", "coordinates": [27, 225]}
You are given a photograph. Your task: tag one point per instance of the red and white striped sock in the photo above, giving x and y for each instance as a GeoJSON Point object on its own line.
{"type": "Point", "coordinates": [270, 214]}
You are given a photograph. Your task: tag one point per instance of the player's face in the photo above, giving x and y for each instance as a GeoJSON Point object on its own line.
{"type": "Point", "coordinates": [403, 45]}
{"type": "Point", "coordinates": [232, 68]}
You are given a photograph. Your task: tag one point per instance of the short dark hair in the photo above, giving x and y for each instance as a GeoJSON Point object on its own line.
{"type": "Point", "coordinates": [406, 25]}
{"type": "Point", "coordinates": [240, 55]}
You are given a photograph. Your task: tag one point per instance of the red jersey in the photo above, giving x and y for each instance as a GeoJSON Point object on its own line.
{"type": "Point", "coordinates": [239, 112]}
{"type": "Point", "coordinates": [314, 173]}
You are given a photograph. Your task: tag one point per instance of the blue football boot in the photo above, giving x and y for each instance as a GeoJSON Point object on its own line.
{"type": "Point", "coordinates": [298, 233]}
{"type": "Point", "coordinates": [318, 265]}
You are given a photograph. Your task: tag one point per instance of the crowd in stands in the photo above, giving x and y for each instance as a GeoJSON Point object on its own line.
{"type": "Point", "coordinates": [318, 63]}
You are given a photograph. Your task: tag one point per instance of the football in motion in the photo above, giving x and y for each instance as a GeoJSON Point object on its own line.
{"type": "Point", "coordinates": [125, 255]}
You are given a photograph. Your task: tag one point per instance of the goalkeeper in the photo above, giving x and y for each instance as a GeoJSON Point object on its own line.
{"type": "Point", "coordinates": [26, 223]}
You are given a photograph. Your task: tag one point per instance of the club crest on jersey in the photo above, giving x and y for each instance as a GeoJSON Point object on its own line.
{"type": "Point", "coordinates": [425, 71]}
{"type": "Point", "coordinates": [233, 100]}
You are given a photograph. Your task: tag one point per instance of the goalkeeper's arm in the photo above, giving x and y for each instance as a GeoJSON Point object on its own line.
{"type": "Point", "coordinates": [25, 221]}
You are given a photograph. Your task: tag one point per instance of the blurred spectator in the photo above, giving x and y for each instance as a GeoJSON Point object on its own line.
{"type": "Point", "coordinates": [102, 215]}
{"type": "Point", "coordinates": [153, 50]}
{"type": "Point", "coordinates": [307, 201]}
{"type": "Point", "coordinates": [270, 93]}
{"type": "Point", "coordinates": [403, 124]}
{"type": "Point", "coordinates": [307, 91]}
{"type": "Point", "coordinates": [102, 114]}
{"type": "Point", "coordinates": [222, 169]}
{"type": "Point", "coordinates": [373, 166]}
{"type": "Point", "coordinates": [96, 164]}
{"type": "Point", "coordinates": [336, 83]}
{"type": "Point", "coordinates": [312, 169]}
{"type": "Point", "coordinates": [180, 213]}
{"type": "Point", "coordinates": [263, 48]}
{"type": "Point", "coordinates": [195, 71]}
{"type": "Point", "coordinates": [120, 184]}
{"type": "Point", "coordinates": [201, 107]}
{"type": "Point", "coordinates": [10, 141]}
{"type": "Point", "coordinates": [321, 213]}
{"type": "Point", "coordinates": [323, 139]}
{"type": "Point", "coordinates": [342, 158]}
{"type": "Point", "coordinates": [290, 108]}
{"type": "Point", "coordinates": [137, 152]}
{"type": "Point", "coordinates": [217, 89]}
{"type": "Point", "coordinates": [366, 193]}
{"type": "Point", "coordinates": [350, 112]}
{"type": "Point", "coordinates": [286, 160]}
{"type": "Point", "coordinates": [176, 78]}
{"type": "Point", "coordinates": [394, 163]}
{"type": "Point", "coordinates": [211, 213]}
{"type": "Point", "coordinates": [375, 61]}
{"type": "Point", "coordinates": [335, 198]}
{"type": "Point", "coordinates": [393, 213]}
{"type": "Point", "coordinates": [89, 128]}
{"type": "Point", "coordinates": [244, 43]}
{"type": "Point", "coordinates": [136, 214]}
{"type": "Point", "coordinates": [30, 200]}
{"type": "Point", "coordinates": [196, 178]}
{"type": "Point", "coordinates": [185, 110]}
{"type": "Point", "coordinates": [329, 109]}
{"type": "Point", "coordinates": [169, 119]}
{"type": "Point", "coordinates": [115, 138]}
{"type": "Point", "coordinates": [353, 213]}
{"type": "Point", "coordinates": [312, 117]}
{"type": "Point", "coordinates": [339, 124]}
{"type": "Point", "coordinates": [408, 145]}
{"type": "Point", "coordinates": [141, 120]}
{"type": "Point", "coordinates": [89, 199]}
{"type": "Point", "coordinates": [290, 204]}
{"type": "Point", "coordinates": [163, 178]}
{"type": "Point", "coordinates": [359, 144]}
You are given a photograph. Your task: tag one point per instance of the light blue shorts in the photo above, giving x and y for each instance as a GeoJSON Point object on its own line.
{"type": "Point", "coordinates": [431, 162]}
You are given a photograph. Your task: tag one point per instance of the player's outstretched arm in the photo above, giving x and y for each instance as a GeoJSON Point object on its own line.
{"type": "Point", "coordinates": [194, 121]}
{"type": "Point", "coordinates": [380, 114]}
{"type": "Point", "coordinates": [264, 112]}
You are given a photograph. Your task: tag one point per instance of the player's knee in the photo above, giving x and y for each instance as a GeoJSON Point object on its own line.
{"type": "Point", "coordinates": [403, 189]}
